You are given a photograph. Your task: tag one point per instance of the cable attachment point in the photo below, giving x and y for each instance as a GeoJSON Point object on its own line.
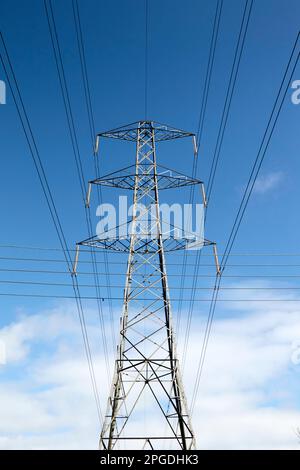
{"type": "Point", "coordinates": [203, 195]}
{"type": "Point", "coordinates": [195, 146]}
{"type": "Point", "coordinates": [218, 267]}
{"type": "Point", "coordinates": [88, 195]}
{"type": "Point", "coordinates": [74, 272]}
{"type": "Point", "coordinates": [96, 149]}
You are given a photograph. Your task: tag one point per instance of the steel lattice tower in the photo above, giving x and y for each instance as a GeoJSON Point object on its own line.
{"type": "Point", "coordinates": [146, 367]}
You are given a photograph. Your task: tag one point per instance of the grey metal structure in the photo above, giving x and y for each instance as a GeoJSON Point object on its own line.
{"type": "Point", "coordinates": [147, 372]}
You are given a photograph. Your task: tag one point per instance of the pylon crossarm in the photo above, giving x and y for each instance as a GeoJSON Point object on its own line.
{"type": "Point", "coordinates": [146, 246]}
{"type": "Point", "coordinates": [126, 181]}
{"type": "Point", "coordinates": [131, 133]}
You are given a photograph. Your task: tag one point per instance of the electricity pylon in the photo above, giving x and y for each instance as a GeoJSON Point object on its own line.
{"type": "Point", "coordinates": [147, 372]}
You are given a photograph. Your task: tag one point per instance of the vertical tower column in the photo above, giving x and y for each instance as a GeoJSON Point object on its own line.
{"type": "Point", "coordinates": [146, 369]}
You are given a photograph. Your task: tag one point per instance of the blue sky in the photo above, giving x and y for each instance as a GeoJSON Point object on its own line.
{"type": "Point", "coordinates": [179, 37]}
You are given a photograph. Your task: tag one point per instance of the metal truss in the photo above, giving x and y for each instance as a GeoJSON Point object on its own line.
{"type": "Point", "coordinates": [131, 132]}
{"type": "Point", "coordinates": [147, 374]}
{"type": "Point", "coordinates": [146, 244]}
{"type": "Point", "coordinates": [125, 179]}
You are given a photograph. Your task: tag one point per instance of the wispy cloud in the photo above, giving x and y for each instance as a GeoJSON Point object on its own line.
{"type": "Point", "coordinates": [268, 182]}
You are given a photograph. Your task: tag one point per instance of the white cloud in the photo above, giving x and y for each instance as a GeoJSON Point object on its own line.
{"type": "Point", "coordinates": [267, 182]}
{"type": "Point", "coordinates": [22, 334]}
{"type": "Point", "coordinates": [247, 396]}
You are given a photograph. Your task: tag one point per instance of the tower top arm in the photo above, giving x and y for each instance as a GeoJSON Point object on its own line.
{"type": "Point", "coordinates": [129, 132]}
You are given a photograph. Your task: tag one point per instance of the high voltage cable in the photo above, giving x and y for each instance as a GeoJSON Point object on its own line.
{"type": "Point", "coordinates": [284, 86]}
{"type": "Point", "coordinates": [259, 160]}
{"type": "Point", "coordinates": [88, 100]}
{"type": "Point", "coordinates": [84, 72]}
{"type": "Point", "coordinates": [40, 248]}
{"type": "Point", "coordinates": [75, 146]}
{"type": "Point", "coordinates": [63, 284]}
{"type": "Point", "coordinates": [243, 265]}
{"type": "Point", "coordinates": [233, 276]}
{"type": "Point", "coordinates": [229, 93]}
{"type": "Point", "coordinates": [17, 294]}
{"type": "Point", "coordinates": [65, 94]}
{"type": "Point", "coordinates": [227, 104]}
{"type": "Point", "coordinates": [207, 83]}
{"type": "Point", "coordinates": [210, 64]}
{"type": "Point", "coordinates": [35, 155]}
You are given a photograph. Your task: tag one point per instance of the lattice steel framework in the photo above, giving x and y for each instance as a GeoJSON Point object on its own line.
{"type": "Point", "coordinates": [147, 372]}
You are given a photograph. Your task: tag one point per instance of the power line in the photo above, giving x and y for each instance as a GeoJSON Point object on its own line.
{"type": "Point", "coordinates": [229, 94]}
{"type": "Point", "coordinates": [35, 155]}
{"type": "Point", "coordinates": [84, 71]}
{"type": "Point", "coordinates": [39, 248]}
{"type": "Point", "coordinates": [210, 64]}
{"type": "Point", "coordinates": [284, 86]}
{"type": "Point", "coordinates": [227, 104]}
{"type": "Point", "coordinates": [212, 265]}
{"type": "Point", "coordinates": [261, 154]}
{"type": "Point", "coordinates": [65, 94]}
{"type": "Point", "coordinates": [88, 273]}
{"type": "Point", "coordinates": [63, 284]}
{"type": "Point", "coordinates": [88, 100]}
{"type": "Point", "coordinates": [18, 294]}
{"type": "Point", "coordinates": [76, 152]}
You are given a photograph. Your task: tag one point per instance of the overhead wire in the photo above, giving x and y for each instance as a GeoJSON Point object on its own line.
{"type": "Point", "coordinates": [88, 273]}
{"type": "Point", "coordinates": [77, 155]}
{"type": "Point", "coordinates": [35, 155]}
{"type": "Point", "coordinates": [40, 248]}
{"type": "Point", "coordinates": [90, 112]}
{"type": "Point", "coordinates": [57, 296]}
{"type": "Point", "coordinates": [204, 100]}
{"type": "Point", "coordinates": [271, 124]}
{"type": "Point", "coordinates": [64, 284]}
{"type": "Point", "coordinates": [229, 93]}
{"type": "Point", "coordinates": [212, 265]}
{"type": "Point", "coordinates": [226, 108]}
